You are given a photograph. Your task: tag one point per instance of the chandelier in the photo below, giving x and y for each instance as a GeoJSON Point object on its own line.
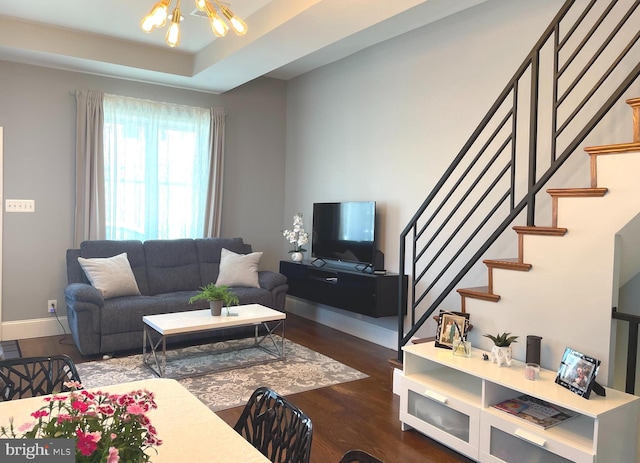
{"type": "Point", "coordinates": [159, 15]}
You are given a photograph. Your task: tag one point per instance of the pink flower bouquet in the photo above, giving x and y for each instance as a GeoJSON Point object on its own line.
{"type": "Point", "coordinates": [108, 428]}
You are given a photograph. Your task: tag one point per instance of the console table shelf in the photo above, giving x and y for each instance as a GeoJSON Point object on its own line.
{"type": "Point", "coordinates": [364, 293]}
{"type": "Point", "coordinates": [450, 399]}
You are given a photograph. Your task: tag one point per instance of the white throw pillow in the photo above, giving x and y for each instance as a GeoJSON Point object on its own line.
{"type": "Point", "coordinates": [111, 275]}
{"type": "Point", "coordinates": [238, 269]}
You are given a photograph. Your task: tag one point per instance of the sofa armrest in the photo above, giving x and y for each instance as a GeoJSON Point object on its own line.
{"type": "Point", "coordinates": [270, 280]}
{"type": "Point", "coordinates": [84, 303]}
{"type": "Point", "coordinates": [82, 292]}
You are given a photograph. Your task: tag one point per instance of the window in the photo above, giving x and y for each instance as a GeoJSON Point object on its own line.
{"type": "Point", "coordinates": [156, 159]}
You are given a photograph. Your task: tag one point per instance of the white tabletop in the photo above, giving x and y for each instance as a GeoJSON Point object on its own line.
{"type": "Point", "coordinates": [189, 430]}
{"type": "Point", "coordinates": [202, 320]}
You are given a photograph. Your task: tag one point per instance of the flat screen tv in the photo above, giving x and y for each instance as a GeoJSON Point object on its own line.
{"type": "Point", "coordinates": [344, 231]}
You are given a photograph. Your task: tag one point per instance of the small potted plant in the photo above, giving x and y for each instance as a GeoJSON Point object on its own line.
{"type": "Point", "coordinates": [217, 297]}
{"type": "Point", "coordinates": [501, 351]}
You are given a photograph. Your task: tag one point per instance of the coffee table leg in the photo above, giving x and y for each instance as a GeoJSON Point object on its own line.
{"type": "Point", "coordinates": [147, 360]}
{"type": "Point", "coordinates": [163, 361]}
{"type": "Point", "coordinates": [270, 332]}
{"type": "Point", "coordinates": [144, 344]}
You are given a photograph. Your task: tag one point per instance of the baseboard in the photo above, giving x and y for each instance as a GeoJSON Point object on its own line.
{"type": "Point", "coordinates": [353, 326]}
{"type": "Point", "coordinates": [35, 328]}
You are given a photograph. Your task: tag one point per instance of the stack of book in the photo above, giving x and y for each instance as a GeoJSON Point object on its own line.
{"type": "Point", "coordinates": [536, 411]}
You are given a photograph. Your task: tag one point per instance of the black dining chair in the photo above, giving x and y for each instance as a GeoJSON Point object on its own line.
{"type": "Point", "coordinates": [276, 427]}
{"type": "Point", "coordinates": [358, 456]}
{"type": "Point", "coordinates": [35, 376]}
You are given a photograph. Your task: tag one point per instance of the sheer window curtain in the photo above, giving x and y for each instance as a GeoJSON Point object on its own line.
{"type": "Point", "coordinates": [92, 211]}
{"type": "Point", "coordinates": [157, 158]}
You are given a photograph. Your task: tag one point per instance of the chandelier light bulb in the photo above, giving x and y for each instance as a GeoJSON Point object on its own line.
{"type": "Point", "coordinates": [218, 26]}
{"type": "Point", "coordinates": [147, 23]}
{"type": "Point", "coordinates": [239, 26]}
{"type": "Point", "coordinates": [173, 34]}
{"type": "Point", "coordinates": [159, 13]}
{"type": "Point", "coordinates": [201, 5]}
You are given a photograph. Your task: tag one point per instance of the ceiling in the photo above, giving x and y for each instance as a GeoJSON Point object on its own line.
{"type": "Point", "coordinates": [286, 38]}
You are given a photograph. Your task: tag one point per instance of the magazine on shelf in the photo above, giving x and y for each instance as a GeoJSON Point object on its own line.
{"type": "Point", "coordinates": [536, 411]}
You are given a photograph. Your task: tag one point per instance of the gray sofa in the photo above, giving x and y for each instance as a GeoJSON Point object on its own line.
{"type": "Point", "coordinates": [168, 273]}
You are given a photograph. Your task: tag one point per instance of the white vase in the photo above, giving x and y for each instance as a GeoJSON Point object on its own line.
{"type": "Point", "coordinates": [501, 355]}
{"type": "Point", "coordinates": [297, 256]}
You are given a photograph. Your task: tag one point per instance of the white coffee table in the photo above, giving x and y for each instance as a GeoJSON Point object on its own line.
{"type": "Point", "coordinates": [172, 324]}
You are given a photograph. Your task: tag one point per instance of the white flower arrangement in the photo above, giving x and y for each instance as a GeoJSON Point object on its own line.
{"type": "Point", "coordinates": [298, 237]}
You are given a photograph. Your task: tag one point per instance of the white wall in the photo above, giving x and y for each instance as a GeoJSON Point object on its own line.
{"type": "Point", "coordinates": [38, 115]}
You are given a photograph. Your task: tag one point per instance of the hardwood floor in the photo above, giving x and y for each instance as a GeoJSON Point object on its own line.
{"type": "Point", "coordinates": [360, 414]}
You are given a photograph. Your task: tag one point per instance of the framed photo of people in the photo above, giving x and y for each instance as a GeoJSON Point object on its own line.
{"type": "Point", "coordinates": [452, 326]}
{"type": "Point", "coordinates": [577, 372]}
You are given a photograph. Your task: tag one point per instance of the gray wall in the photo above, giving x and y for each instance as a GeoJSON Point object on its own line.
{"type": "Point", "coordinates": [37, 112]}
{"type": "Point", "coordinates": [385, 123]}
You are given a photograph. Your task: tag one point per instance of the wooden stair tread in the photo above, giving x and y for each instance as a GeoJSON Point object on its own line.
{"type": "Point", "coordinates": [613, 149]}
{"type": "Point", "coordinates": [423, 340]}
{"type": "Point", "coordinates": [395, 363]}
{"type": "Point", "coordinates": [508, 264]}
{"type": "Point", "coordinates": [481, 292]}
{"type": "Point", "coordinates": [578, 192]}
{"type": "Point", "coordinates": [547, 231]}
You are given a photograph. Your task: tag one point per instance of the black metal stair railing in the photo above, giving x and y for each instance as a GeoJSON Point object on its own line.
{"type": "Point", "coordinates": [632, 348]}
{"type": "Point", "coordinates": [577, 71]}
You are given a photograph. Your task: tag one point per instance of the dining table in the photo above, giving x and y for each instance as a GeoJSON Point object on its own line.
{"type": "Point", "coordinates": [189, 430]}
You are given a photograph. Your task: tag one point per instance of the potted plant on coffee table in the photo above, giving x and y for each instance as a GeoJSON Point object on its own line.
{"type": "Point", "coordinates": [217, 297]}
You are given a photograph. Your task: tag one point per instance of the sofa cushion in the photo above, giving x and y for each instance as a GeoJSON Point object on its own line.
{"type": "Point", "coordinates": [110, 248]}
{"type": "Point", "coordinates": [111, 275]}
{"type": "Point", "coordinates": [209, 255]}
{"type": "Point", "coordinates": [239, 269]}
{"type": "Point", "coordinates": [172, 265]}
{"type": "Point", "coordinates": [125, 314]}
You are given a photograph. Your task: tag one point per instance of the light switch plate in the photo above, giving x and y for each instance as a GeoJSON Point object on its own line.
{"type": "Point", "coordinates": [20, 205]}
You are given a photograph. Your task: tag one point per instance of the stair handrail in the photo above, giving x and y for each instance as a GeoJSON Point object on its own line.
{"type": "Point", "coordinates": [531, 64]}
{"type": "Point", "coordinates": [632, 348]}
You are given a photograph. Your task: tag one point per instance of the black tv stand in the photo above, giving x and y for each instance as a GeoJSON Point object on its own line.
{"type": "Point", "coordinates": [353, 290]}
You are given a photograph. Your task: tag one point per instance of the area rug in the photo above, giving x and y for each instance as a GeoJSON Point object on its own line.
{"type": "Point", "coordinates": [301, 370]}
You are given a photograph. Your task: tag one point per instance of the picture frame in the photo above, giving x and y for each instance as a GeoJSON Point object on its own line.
{"type": "Point", "coordinates": [452, 326]}
{"type": "Point", "coordinates": [577, 372]}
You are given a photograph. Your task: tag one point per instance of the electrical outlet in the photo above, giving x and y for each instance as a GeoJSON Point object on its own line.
{"type": "Point", "coordinates": [52, 305]}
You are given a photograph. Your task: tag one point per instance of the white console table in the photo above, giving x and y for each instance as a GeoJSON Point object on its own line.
{"type": "Point", "coordinates": [449, 399]}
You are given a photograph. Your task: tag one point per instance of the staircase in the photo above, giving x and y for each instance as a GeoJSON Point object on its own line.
{"type": "Point", "coordinates": [565, 303]}
{"type": "Point", "coordinates": [543, 116]}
